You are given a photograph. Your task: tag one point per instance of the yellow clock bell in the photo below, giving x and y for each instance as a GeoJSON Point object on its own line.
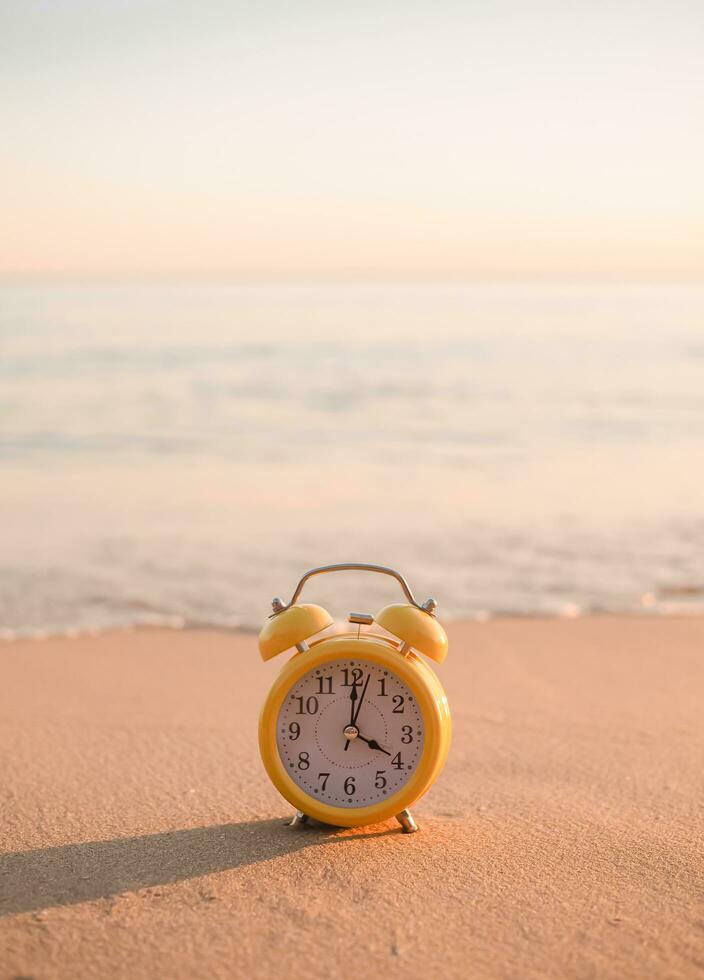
{"type": "Point", "coordinates": [356, 726]}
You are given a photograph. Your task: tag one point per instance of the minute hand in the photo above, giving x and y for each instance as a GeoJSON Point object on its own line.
{"type": "Point", "coordinates": [353, 698]}
{"type": "Point", "coordinates": [361, 699]}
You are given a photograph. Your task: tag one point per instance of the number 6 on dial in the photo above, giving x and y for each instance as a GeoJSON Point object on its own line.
{"type": "Point", "coordinates": [356, 726]}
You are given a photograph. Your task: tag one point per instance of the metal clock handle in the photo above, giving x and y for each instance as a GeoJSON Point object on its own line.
{"type": "Point", "coordinates": [427, 606]}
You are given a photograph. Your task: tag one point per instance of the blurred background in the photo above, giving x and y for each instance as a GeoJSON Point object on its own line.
{"type": "Point", "coordinates": [419, 284]}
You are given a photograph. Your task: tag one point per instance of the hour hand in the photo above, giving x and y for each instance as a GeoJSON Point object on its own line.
{"type": "Point", "coordinates": [373, 744]}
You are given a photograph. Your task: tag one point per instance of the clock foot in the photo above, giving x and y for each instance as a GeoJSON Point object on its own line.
{"type": "Point", "coordinates": [408, 824]}
{"type": "Point", "coordinates": [300, 819]}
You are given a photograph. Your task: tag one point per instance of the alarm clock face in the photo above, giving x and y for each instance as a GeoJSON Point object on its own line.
{"type": "Point", "coordinates": [350, 733]}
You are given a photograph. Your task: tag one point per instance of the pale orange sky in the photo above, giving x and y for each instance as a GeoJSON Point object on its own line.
{"type": "Point", "coordinates": [372, 139]}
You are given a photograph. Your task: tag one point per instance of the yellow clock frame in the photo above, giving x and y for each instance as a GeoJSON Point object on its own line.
{"type": "Point", "coordinates": [413, 625]}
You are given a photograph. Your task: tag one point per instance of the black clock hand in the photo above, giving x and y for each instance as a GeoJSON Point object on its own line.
{"type": "Point", "coordinates": [361, 699]}
{"type": "Point", "coordinates": [373, 744]}
{"type": "Point", "coordinates": [353, 698]}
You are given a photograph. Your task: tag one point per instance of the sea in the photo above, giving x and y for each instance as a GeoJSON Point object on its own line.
{"type": "Point", "coordinates": [180, 452]}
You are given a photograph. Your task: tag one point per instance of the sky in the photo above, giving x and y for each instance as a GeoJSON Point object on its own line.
{"type": "Point", "coordinates": [385, 139]}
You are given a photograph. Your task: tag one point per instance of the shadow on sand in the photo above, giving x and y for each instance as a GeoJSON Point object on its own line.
{"type": "Point", "coordinates": [73, 873]}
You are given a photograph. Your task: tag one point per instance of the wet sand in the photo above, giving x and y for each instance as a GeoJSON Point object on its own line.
{"type": "Point", "coordinates": [140, 837]}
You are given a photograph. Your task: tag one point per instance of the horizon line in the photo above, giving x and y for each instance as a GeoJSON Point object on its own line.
{"type": "Point", "coordinates": [225, 277]}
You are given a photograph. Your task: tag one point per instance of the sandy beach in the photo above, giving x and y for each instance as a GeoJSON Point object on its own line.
{"type": "Point", "coordinates": [141, 838]}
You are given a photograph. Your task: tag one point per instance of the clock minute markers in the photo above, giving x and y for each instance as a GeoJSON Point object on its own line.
{"type": "Point", "coordinates": [355, 780]}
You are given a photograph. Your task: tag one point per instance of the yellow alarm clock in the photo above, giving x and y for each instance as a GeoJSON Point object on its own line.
{"type": "Point", "coordinates": [356, 726]}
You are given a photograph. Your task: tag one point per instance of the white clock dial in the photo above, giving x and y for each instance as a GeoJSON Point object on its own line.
{"type": "Point", "coordinates": [350, 733]}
